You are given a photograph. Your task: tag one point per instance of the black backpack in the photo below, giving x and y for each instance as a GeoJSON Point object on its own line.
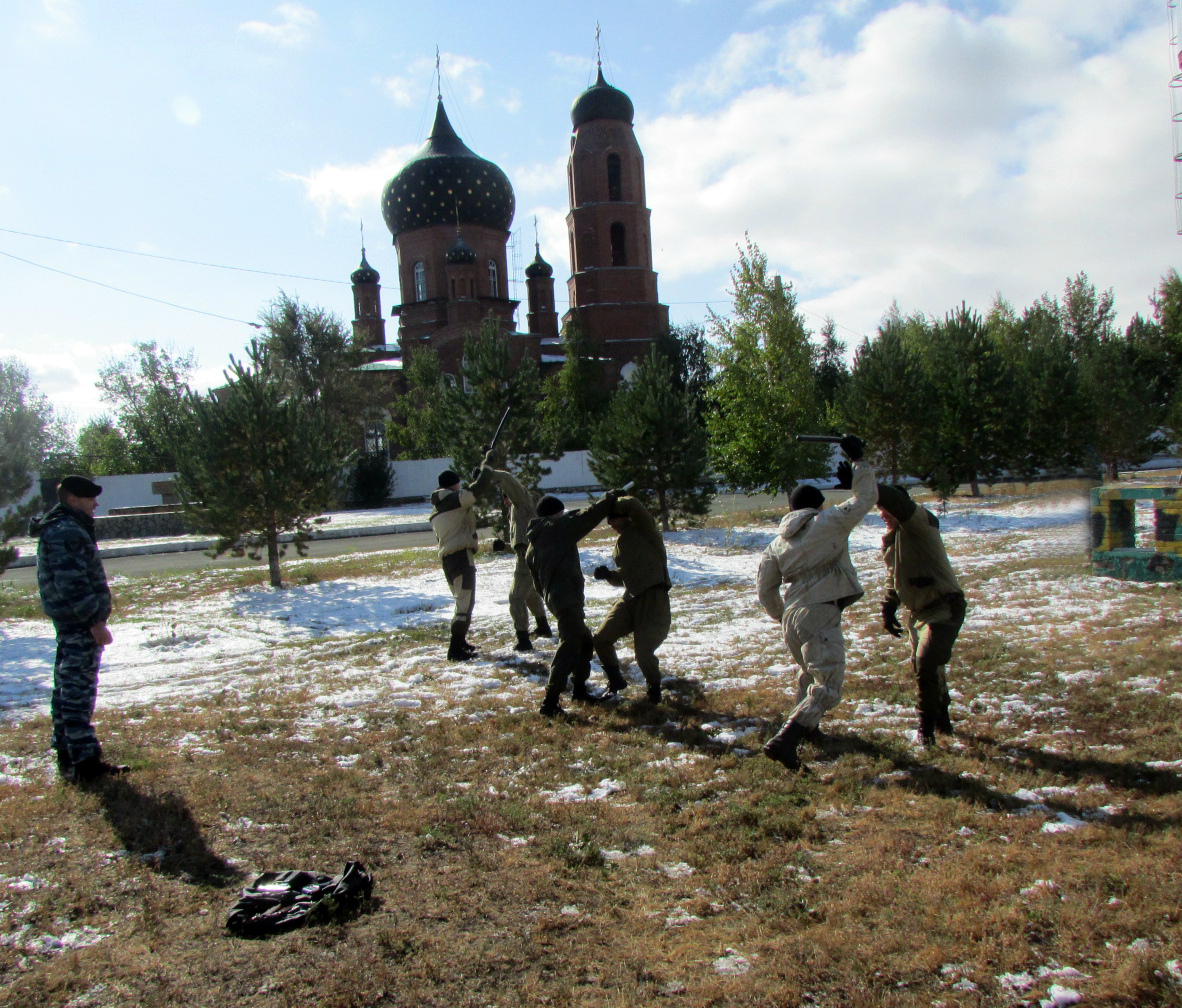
{"type": "Point", "coordinates": [280, 901]}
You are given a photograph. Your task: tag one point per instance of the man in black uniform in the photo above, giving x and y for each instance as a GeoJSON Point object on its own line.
{"type": "Point", "coordinates": [75, 595]}
{"type": "Point", "coordinates": [553, 559]}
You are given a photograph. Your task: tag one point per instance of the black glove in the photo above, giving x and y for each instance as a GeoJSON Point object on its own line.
{"type": "Point", "coordinates": [600, 573]}
{"type": "Point", "coordinates": [890, 618]}
{"type": "Point", "coordinates": [853, 446]}
{"type": "Point", "coordinates": [845, 476]}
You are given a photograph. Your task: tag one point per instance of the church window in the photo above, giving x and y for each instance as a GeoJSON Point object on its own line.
{"type": "Point", "coordinates": [613, 178]}
{"type": "Point", "coordinates": [375, 436]}
{"type": "Point", "coordinates": [618, 236]}
{"type": "Point", "coordinates": [420, 281]}
{"type": "Point", "coordinates": [494, 286]}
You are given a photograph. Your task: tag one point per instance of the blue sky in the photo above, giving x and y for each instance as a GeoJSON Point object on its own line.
{"type": "Point", "coordinates": [920, 152]}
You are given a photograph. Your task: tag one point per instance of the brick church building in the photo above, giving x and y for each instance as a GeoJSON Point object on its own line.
{"type": "Point", "coordinates": [450, 211]}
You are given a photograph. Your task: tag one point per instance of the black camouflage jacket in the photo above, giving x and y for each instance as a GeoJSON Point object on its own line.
{"type": "Point", "coordinates": [70, 575]}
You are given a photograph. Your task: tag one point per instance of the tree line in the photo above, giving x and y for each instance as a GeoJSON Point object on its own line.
{"type": "Point", "coordinates": [956, 399]}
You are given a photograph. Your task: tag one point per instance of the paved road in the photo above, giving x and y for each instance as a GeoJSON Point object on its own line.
{"type": "Point", "coordinates": [158, 563]}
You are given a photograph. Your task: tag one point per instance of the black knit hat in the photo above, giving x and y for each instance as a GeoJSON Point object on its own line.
{"type": "Point", "coordinates": [447, 478]}
{"type": "Point", "coordinates": [806, 496]}
{"type": "Point", "coordinates": [79, 486]}
{"type": "Point", "coordinates": [550, 505]}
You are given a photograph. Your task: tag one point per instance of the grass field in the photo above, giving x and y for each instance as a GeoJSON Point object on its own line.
{"type": "Point", "coordinates": [628, 854]}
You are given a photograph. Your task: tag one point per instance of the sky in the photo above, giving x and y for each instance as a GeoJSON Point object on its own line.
{"type": "Point", "coordinates": [879, 152]}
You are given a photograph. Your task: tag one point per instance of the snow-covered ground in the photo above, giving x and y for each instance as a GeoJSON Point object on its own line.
{"type": "Point", "coordinates": [221, 640]}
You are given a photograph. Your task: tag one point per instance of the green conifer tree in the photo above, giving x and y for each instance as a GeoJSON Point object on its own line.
{"type": "Point", "coordinates": [256, 460]}
{"type": "Point", "coordinates": [764, 391]}
{"type": "Point", "coordinates": [651, 435]}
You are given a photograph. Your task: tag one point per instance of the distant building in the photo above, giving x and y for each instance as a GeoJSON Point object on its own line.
{"type": "Point", "coordinates": [449, 212]}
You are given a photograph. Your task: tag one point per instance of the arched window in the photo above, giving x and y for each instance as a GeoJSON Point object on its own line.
{"type": "Point", "coordinates": [618, 235]}
{"type": "Point", "coordinates": [613, 178]}
{"type": "Point", "coordinates": [494, 286]}
{"type": "Point", "coordinates": [420, 281]}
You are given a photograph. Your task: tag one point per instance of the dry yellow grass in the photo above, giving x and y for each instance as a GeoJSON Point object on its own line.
{"type": "Point", "coordinates": [887, 876]}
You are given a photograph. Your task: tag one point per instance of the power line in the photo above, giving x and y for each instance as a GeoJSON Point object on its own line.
{"type": "Point", "coordinates": [152, 255]}
{"type": "Point", "coordinates": [121, 290]}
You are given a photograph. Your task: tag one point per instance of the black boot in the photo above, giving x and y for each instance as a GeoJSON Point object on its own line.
{"type": "Point", "coordinates": [64, 763]}
{"type": "Point", "coordinates": [616, 683]}
{"type": "Point", "coordinates": [93, 769]}
{"type": "Point", "coordinates": [550, 706]}
{"type": "Point", "coordinates": [944, 721]}
{"type": "Point", "coordinates": [543, 629]}
{"type": "Point", "coordinates": [782, 748]}
{"type": "Point", "coordinates": [523, 642]}
{"type": "Point", "coordinates": [927, 731]}
{"type": "Point", "coordinates": [580, 693]}
{"type": "Point", "coordinates": [458, 649]}
{"type": "Point", "coordinates": [653, 694]}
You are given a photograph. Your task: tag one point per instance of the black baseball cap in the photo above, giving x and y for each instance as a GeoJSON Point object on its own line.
{"type": "Point", "coordinates": [79, 486]}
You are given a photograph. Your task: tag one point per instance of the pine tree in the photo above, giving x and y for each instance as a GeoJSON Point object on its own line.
{"type": "Point", "coordinates": [885, 399]}
{"type": "Point", "coordinates": [970, 385]}
{"type": "Point", "coordinates": [763, 391]}
{"type": "Point", "coordinates": [832, 375]}
{"type": "Point", "coordinates": [651, 435]}
{"type": "Point", "coordinates": [573, 398]}
{"type": "Point", "coordinates": [256, 460]}
{"type": "Point", "coordinates": [316, 356]}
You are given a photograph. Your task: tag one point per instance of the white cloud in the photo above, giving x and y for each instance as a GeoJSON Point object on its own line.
{"type": "Point", "coordinates": [352, 190]}
{"type": "Point", "coordinates": [59, 21]}
{"type": "Point", "coordinates": [461, 72]}
{"type": "Point", "coordinates": [945, 157]}
{"type": "Point", "coordinates": [293, 28]}
{"type": "Point", "coordinates": [186, 110]}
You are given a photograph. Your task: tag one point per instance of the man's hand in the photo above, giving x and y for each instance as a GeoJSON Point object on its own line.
{"type": "Point", "coordinates": [100, 633]}
{"type": "Point", "coordinates": [614, 495]}
{"type": "Point", "coordinates": [498, 546]}
{"type": "Point", "coordinates": [600, 573]}
{"type": "Point", "coordinates": [845, 476]}
{"type": "Point", "coordinates": [890, 618]}
{"type": "Point", "coordinates": [853, 447]}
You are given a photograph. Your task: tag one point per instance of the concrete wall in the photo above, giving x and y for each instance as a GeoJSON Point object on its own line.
{"type": "Point", "coordinates": [414, 479]}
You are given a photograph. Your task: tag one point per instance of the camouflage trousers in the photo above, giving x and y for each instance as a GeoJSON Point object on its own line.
{"type": "Point", "coordinates": [460, 570]}
{"type": "Point", "coordinates": [75, 687]}
{"type": "Point", "coordinates": [524, 599]}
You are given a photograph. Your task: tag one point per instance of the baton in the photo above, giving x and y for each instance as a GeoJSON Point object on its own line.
{"type": "Point", "coordinates": [819, 438]}
{"type": "Point", "coordinates": [497, 433]}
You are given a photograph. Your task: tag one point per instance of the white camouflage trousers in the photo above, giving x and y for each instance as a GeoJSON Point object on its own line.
{"type": "Point", "coordinates": [813, 636]}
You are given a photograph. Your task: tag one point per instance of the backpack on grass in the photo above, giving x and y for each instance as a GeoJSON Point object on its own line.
{"type": "Point", "coordinates": [280, 901]}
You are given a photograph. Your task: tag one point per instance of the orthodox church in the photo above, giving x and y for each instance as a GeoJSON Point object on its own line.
{"type": "Point", "coordinates": [450, 211]}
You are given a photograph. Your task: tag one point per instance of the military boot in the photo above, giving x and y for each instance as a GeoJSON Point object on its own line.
{"type": "Point", "coordinates": [523, 642]}
{"type": "Point", "coordinates": [927, 730]}
{"type": "Point", "coordinates": [93, 769]}
{"type": "Point", "coordinates": [943, 721]}
{"type": "Point", "coordinates": [616, 682]}
{"type": "Point", "coordinates": [653, 694]}
{"type": "Point", "coordinates": [550, 706]}
{"type": "Point", "coordinates": [543, 629]}
{"type": "Point", "coordinates": [458, 648]}
{"type": "Point", "coordinates": [782, 748]}
{"type": "Point", "coordinates": [580, 693]}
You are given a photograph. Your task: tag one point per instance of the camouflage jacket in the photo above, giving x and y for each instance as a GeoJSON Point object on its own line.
{"type": "Point", "coordinates": [70, 575]}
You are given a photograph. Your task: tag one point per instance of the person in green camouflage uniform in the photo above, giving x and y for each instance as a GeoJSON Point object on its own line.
{"type": "Point", "coordinates": [643, 610]}
{"type": "Point", "coordinates": [524, 599]}
{"type": "Point", "coordinates": [75, 596]}
{"type": "Point", "coordinates": [920, 578]}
